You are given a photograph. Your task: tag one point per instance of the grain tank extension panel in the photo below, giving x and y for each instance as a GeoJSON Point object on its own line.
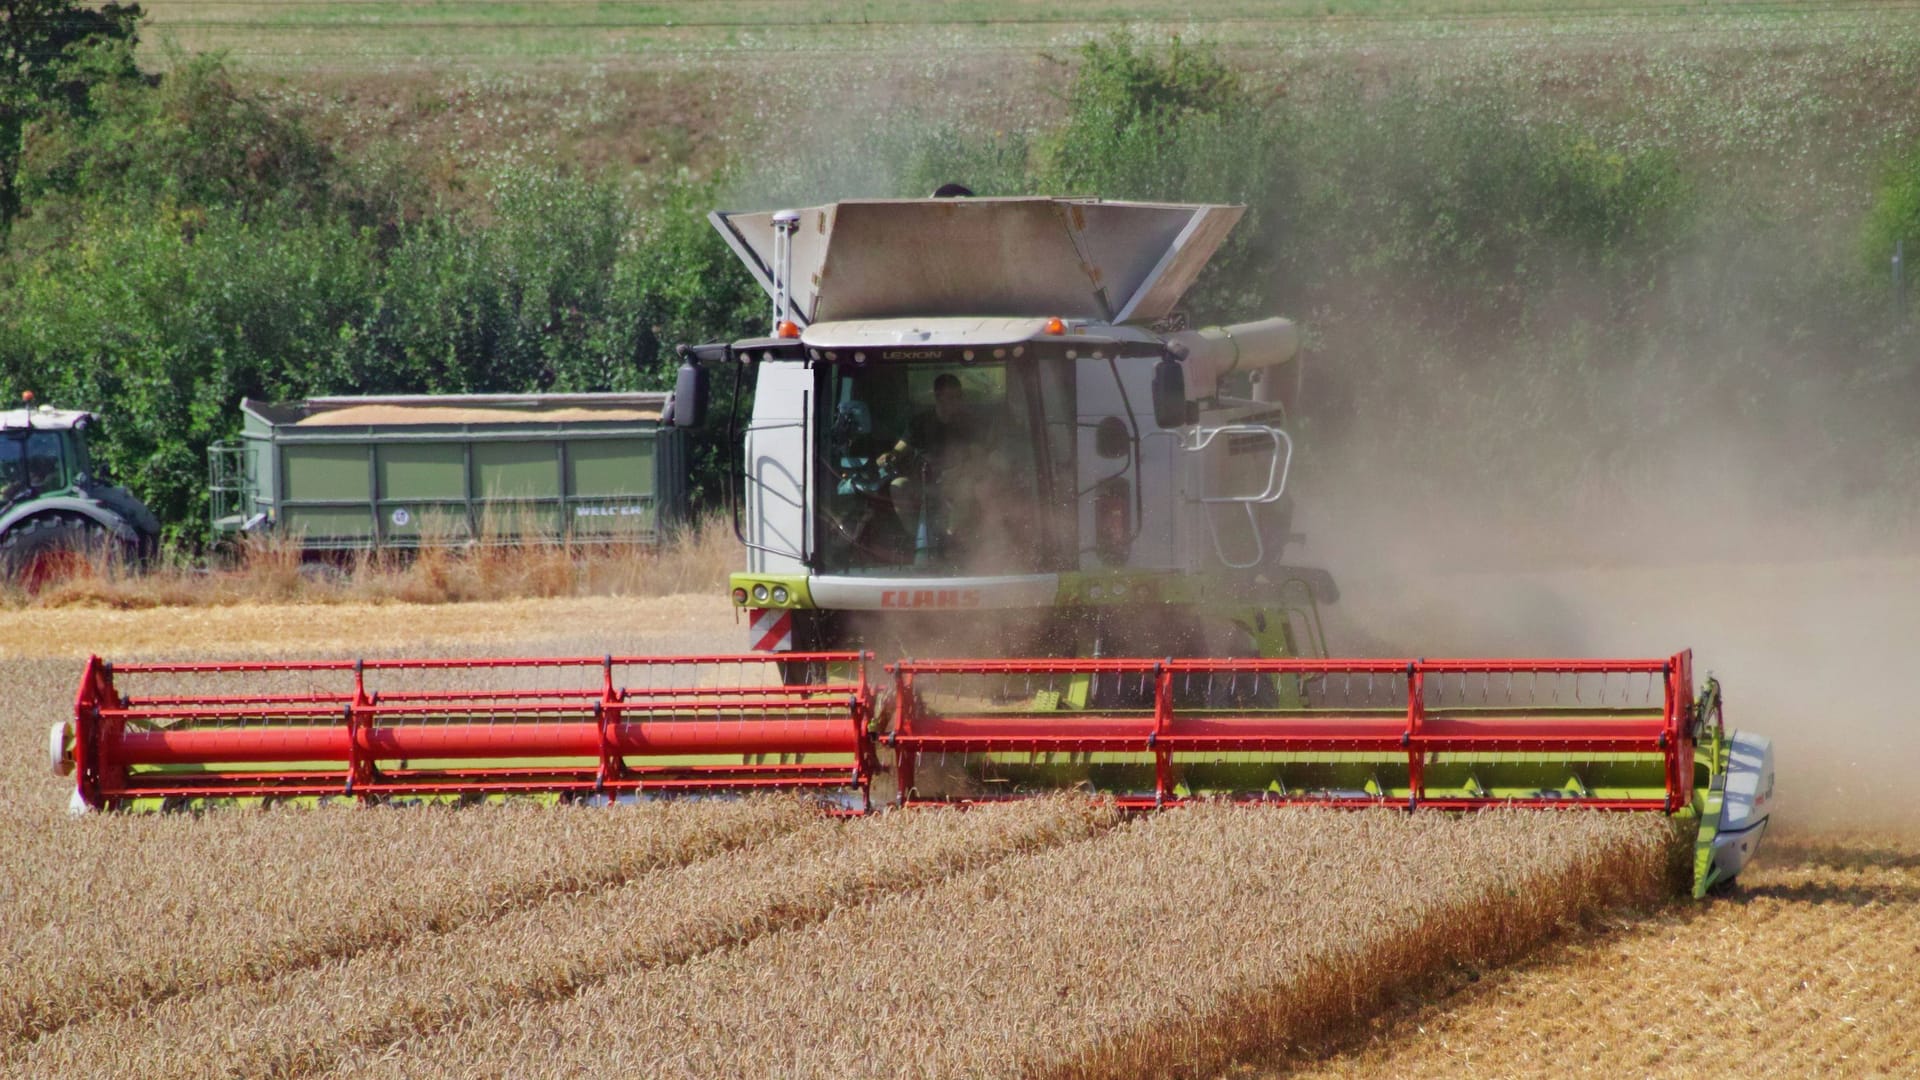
{"type": "Point", "coordinates": [1075, 258]}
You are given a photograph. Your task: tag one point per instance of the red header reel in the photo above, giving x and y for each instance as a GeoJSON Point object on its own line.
{"type": "Point", "coordinates": [1448, 734]}
{"type": "Point", "coordinates": [1441, 733]}
{"type": "Point", "coordinates": [606, 726]}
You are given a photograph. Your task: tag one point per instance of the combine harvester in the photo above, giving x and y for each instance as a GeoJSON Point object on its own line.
{"type": "Point", "coordinates": [978, 429]}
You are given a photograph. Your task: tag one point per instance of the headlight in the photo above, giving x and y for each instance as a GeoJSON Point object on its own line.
{"type": "Point", "coordinates": [760, 593]}
{"type": "Point", "coordinates": [780, 594]}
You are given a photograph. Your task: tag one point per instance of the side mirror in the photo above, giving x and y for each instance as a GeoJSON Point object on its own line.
{"type": "Point", "coordinates": [690, 396]}
{"type": "Point", "coordinates": [1169, 393]}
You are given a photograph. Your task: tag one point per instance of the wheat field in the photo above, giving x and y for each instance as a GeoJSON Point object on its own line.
{"type": "Point", "coordinates": [758, 938]}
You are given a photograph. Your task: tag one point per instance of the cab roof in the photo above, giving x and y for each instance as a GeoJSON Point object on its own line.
{"type": "Point", "coordinates": [904, 336]}
{"type": "Point", "coordinates": [42, 418]}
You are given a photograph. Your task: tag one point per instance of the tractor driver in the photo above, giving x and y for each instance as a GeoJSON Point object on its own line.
{"type": "Point", "coordinates": [938, 440]}
{"type": "Point", "coordinates": [43, 460]}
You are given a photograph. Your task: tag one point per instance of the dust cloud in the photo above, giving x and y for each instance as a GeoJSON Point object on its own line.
{"type": "Point", "coordinates": [1804, 600]}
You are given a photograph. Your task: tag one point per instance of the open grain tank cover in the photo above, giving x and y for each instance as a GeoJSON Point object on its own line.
{"type": "Point", "coordinates": [1075, 258]}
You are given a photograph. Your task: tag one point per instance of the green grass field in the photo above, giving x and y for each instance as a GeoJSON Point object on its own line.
{"type": "Point", "coordinates": [382, 34]}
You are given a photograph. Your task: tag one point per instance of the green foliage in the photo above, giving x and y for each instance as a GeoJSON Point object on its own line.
{"type": "Point", "coordinates": [197, 140]}
{"type": "Point", "coordinates": [686, 287]}
{"type": "Point", "coordinates": [163, 323]}
{"type": "Point", "coordinates": [520, 297]}
{"type": "Point", "coordinates": [1895, 218]}
{"type": "Point", "coordinates": [164, 334]}
{"type": "Point", "coordinates": [1154, 124]}
{"type": "Point", "coordinates": [52, 53]}
{"type": "Point", "coordinates": [1176, 124]}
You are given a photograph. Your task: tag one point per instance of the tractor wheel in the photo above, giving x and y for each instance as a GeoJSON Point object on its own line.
{"type": "Point", "coordinates": [42, 551]}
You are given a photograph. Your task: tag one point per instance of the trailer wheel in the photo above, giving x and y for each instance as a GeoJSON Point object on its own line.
{"type": "Point", "coordinates": [42, 551]}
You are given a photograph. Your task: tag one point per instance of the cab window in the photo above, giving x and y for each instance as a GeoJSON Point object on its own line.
{"type": "Point", "coordinates": [45, 470]}
{"type": "Point", "coordinates": [931, 468]}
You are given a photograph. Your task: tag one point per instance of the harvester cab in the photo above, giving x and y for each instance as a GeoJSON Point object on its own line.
{"type": "Point", "coordinates": [990, 406]}
{"type": "Point", "coordinates": [979, 432]}
{"type": "Point", "coordinates": [54, 508]}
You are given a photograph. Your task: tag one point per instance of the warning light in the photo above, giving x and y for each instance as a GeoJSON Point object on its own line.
{"type": "Point", "coordinates": [1055, 326]}
{"type": "Point", "coordinates": [788, 329]}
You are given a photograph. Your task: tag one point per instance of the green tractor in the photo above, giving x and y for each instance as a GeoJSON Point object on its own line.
{"type": "Point", "coordinates": [56, 515]}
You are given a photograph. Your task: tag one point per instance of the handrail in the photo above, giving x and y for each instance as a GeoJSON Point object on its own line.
{"type": "Point", "coordinates": [1279, 467]}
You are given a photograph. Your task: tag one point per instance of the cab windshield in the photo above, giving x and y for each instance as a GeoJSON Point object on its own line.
{"type": "Point", "coordinates": [933, 468]}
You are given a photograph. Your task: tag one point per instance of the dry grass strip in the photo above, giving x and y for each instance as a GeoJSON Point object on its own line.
{"type": "Point", "coordinates": [1166, 948]}
{"type": "Point", "coordinates": [112, 912]}
{"type": "Point", "coordinates": [302, 1021]}
{"type": "Point", "coordinates": [274, 570]}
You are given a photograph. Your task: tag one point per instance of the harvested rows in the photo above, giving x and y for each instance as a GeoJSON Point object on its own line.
{"type": "Point", "coordinates": [1168, 945]}
{"type": "Point", "coordinates": [303, 1019]}
{"type": "Point", "coordinates": [1812, 967]}
{"type": "Point", "coordinates": [123, 911]}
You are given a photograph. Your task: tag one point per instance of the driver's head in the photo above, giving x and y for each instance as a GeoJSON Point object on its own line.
{"type": "Point", "coordinates": [947, 398]}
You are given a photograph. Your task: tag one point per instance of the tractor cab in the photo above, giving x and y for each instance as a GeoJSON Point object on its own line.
{"type": "Point", "coordinates": [43, 451]}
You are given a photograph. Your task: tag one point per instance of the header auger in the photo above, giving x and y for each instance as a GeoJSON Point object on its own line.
{"type": "Point", "coordinates": [978, 427]}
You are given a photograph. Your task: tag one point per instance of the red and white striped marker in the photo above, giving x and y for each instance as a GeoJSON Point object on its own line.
{"type": "Point", "coordinates": [772, 630]}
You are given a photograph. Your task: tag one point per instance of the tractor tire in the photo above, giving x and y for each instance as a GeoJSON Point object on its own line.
{"type": "Point", "coordinates": [43, 551]}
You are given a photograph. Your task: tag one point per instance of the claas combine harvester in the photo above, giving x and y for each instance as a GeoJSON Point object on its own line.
{"type": "Point", "coordinates": [979, 432]}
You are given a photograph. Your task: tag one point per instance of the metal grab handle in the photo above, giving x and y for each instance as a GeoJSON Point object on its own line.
{"type": "Point", "coordinates": [1277, 469]}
